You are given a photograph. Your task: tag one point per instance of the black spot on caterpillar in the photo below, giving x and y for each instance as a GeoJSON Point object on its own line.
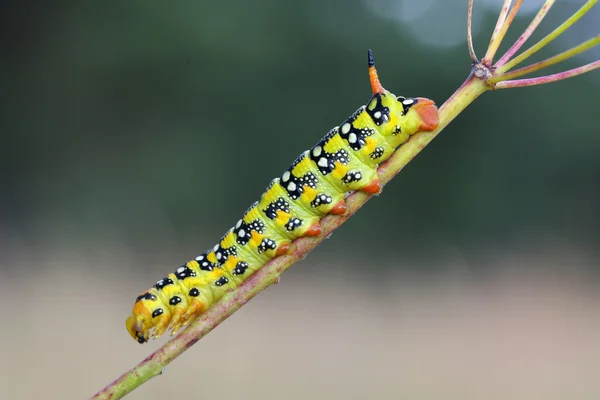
{"type": "Point", "coordinates": [316, 183]}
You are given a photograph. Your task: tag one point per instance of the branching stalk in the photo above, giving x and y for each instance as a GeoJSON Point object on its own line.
{"type": "Point", "coordinates": [549, 38]}
{"type": "Point", "coordinates": [481, 79]}
{"type": "Point", "coordinates": [549, 78]}
{"type": "Point", "coordinates": [588, 44]}
{"type": "Point", "coordinates": [498, 35]}
{"type": "Point", "coordinates": [270, 273]}
{"type": "Point", "coordinates": [470, 33]}
{"type": "Point", "coordinates": [530, 29]}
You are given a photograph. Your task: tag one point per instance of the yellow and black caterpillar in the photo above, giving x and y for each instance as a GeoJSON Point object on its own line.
{"type": "Point", "coordinates": [345, 160]}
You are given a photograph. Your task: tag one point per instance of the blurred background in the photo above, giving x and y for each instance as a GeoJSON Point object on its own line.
{"type": "Point", "coordinates": [134, 133]}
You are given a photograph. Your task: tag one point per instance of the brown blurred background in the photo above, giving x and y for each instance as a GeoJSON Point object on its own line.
{"type": "Point", "coordinates": [133, 134]}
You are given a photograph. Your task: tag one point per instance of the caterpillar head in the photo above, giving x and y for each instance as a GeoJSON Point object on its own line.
{"type": "Point", "coordinates": [140, 322]}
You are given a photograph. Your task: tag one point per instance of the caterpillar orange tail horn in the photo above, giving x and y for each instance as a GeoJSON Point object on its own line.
{"type": "Point", "coordinates": [376, 86]}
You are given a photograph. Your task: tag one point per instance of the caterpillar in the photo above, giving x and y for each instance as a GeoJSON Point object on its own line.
{"type": "Point", "coordinates": [316, 184]}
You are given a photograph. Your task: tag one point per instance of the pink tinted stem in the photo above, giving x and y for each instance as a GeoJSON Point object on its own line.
{"type": "Point", "coordinates": [549, 78]}
{"type": "Point", "coordinates": [549, 38]}
{"type": "Point", "coordinates": [499, 36]}
{"type": "Point", "coordinates": [530, 29]}
{"type": "Point", "coordinates": [493, 46]}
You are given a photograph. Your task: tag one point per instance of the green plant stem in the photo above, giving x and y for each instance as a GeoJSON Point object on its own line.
{"type": "Point", "coordinates": [269, 274]}
{"type": "Point", "coordinates": [470, 32]}
{"type": "Point", "coordinates": [530, 29]}
{"type": "Point", "coordinates": [549, 38]}
{"type": "Point", "coordinates": [588, 44]}
{"type": "Point", "coordinates": [500, 30]}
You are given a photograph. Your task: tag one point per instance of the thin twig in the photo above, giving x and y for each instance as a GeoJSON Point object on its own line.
{"type": "Point", "coordinates": [497, 39]}
{"type": "Point", "coordinates": [530, 29]}
{"type": "Point", "coordinates": [549, 78]}
{"type": "Point", "coordinates": [470, 33]}
{"type": "Point", "coordinates": [493, 46]}
{"type": "Point", "coordinates": [549, 38]}
{"type": "Point", "coordinates": [588, 44]}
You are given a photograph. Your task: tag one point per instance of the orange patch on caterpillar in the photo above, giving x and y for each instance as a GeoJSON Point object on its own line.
{"type": "Point", "coordinates": [314, 230]}
{"type": "Point", "coordinates": [339, 171]}
{"type": "Point", "coordinates": [339, 209]}
{"type": "Point", "coordinates": [370, 145]}
{"type": "Point", "coordinates": [309, 193]}
{"type": "Point", "coordinates": [215, 274]}
{"type": "Point", "coordinates": [284, 248]}
{"type": "Point", "coordinates": [212, 257]}
{"type": "Point", "coordinates": [256, 238]}
{"type": "Point", "coordinates": [230, 264]}
{"type": "Point", "coordinates": [372, 188]}
{"type": "Point", "coordinates": [282, 217]}
{"type": "Point", "coordinates": [162, 325]}
{"type": "Point", "coordinates": [177, 320]}
{"type": "Point", "coordinates": [193, 311]}
{"type": "Point", "coordinates": [428, 113]}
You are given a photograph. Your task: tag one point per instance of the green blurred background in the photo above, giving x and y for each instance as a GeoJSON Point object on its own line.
{"type": "Point", "coordinates": [134, 133]}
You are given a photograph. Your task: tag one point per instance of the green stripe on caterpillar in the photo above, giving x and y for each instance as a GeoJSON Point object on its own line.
{"type": "Point", "coordinates": [315, 185]}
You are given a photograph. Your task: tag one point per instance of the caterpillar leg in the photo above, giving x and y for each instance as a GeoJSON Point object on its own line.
{"type": "Point", "coordinates": [189, 316]}
{"type": "Point", "coordinates": [284, 248]}
{"type": "Point", "coordinates": [198, 303]}
{"type": "Point", "coordinates": [314, 230]}
{"type": "Point", "coordinates": [177, 319]}
{"type": "Point", "coordinates": [373, 188]}
{"type": "Point", "coordinates": [162, 325]}
{"type": "Point", "coordinates": [339, 209]}
{"type": "Point", "coordinates": [194, 310]}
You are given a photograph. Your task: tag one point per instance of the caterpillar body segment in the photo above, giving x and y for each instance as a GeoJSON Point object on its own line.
{"type": "Point", "coordinates": [292, 206]}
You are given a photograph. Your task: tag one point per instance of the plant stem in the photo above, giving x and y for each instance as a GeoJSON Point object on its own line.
{"type": "Point", "coordinates": [470, 33]}
{"type": "Point", "coordinates": [588, 44]}
{"type": "Point", "coordinates": [549, 78]}
{"type": "Point", "coordinates": [270, 273]}
{"type": "Point", "coordinates": [500, 31]}
{"type": "Point", "coordinates": [530, 29]}
{"type": "Point", "coordinates": [549, 38]}
{"type": "Point", "coordinates": [479, 81]}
